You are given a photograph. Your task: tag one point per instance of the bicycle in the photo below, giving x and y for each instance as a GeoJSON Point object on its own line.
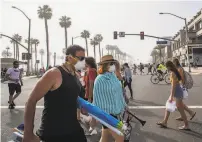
{"type": "Point", "coordinates": [157, 77]}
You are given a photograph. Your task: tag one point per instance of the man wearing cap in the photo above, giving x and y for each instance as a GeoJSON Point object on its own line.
{"type": "Point", "coordinates": [14, 77]}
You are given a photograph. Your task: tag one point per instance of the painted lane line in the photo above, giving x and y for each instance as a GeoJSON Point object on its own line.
{"type": "Point", "coordinates": [130, 107]}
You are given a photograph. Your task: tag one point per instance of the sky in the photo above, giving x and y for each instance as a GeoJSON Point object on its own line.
{"type": "Point", "coordinates": [98, 17]}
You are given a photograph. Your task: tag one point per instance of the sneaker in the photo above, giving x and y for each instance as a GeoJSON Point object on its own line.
{"type": "Point", "coordinates": [11, 106]}
{"type": "Point", "coordinates": [12, 103]}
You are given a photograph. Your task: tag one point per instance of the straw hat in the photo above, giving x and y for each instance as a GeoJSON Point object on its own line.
{"type": "Point", "coordinates": [107, 59]}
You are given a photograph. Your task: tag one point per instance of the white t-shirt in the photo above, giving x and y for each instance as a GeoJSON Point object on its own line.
{"type": "Point", "coordinates": [14, 73]}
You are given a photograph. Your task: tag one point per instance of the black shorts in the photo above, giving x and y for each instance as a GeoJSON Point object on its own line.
{"type": "Point", "coordinates": [107, 127]}
{"type": "Point", "coordinates": [78, 136]}
{"type": "Point", "coordinates": [14, 88]}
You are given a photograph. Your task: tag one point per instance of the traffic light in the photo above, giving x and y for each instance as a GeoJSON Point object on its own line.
{"type": "Point", "coordinates": [142, 35]}
{"type": "Point", "coordinates": [115, 34]}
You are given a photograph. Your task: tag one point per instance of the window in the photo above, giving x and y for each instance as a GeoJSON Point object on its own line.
{"type": "Point", "coordinates": [199, 25]}
{"type": "Point", "coordinates": [191, 29]}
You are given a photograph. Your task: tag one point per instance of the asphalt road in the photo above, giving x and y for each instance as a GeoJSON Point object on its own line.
{"type": "Point", "coordinates": [146, 95]}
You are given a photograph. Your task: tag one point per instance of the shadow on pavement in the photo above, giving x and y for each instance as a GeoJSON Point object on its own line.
{"type": "Point", "coordinates": [143, 136]}
{"type": "Point", "coordinates": [16, 117]}
{"type": "Point", "coordinates": [144, 103]}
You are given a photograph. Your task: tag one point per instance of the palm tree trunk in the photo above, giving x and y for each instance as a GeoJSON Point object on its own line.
{"type": "Point", "coordinates": [94, 52]}
{"type": "Point", "coordinates": [86, 46]}
{"type": "Point", "coordinates": [66, 37]}
{"type": "Point", "coordinates": [41, 60]}
{"type": "Point", "coordinates": [17, 50]}
{"type": "Point", "coordinates": [14, 50]}
{"type": "Point", "coordinates": [35, 58]}
{"type": "Point", "coordinates": [47, 42]}
{"type": "Point", "coordinates": [99, 51]}
{"type": "Point", "coordinates": [31, 59]}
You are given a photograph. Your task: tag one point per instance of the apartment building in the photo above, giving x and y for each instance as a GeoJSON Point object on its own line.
{"type": "Point", "coordinates": [192, 50]}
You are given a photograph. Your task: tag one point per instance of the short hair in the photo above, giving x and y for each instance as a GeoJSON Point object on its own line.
{"type": "Point", "coordinates": [176, 62]}
{"type": "Point", "coordinates": [126, 64]}
{"type": "Point", "coordinates": [91, 62]}
{"type": "Point", "coordinates": [15, 62]}
{"type": "Point", "coordinates": [72, 49]}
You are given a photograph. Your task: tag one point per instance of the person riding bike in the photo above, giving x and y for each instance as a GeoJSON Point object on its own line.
{"type": "Point", "coordinates": [161, 69]}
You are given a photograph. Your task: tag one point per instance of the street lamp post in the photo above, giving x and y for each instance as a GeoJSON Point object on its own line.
{"type": "Point", "coordinates": [74, 38]}
{"type": "Point", "coordinates": [29, 32]}
{"type": "Point", "coordinates": [187, 40]}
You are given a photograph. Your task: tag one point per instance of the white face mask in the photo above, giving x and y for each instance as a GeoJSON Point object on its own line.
{"type": "Point", "coordinates": [112, 68]}
{"type": "Point", "coordinates": [80, 65]}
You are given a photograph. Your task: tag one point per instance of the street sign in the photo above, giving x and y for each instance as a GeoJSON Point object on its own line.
{"type": "Point", "coordinates": [37, 61]}
{"type": "Point", "coordinates": [121, 34]}
{"type": "Point", "coordinates": [26, 56]}
{"type": "Point", "coordinates": [162, 42]}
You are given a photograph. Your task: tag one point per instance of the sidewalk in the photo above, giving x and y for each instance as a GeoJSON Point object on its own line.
{"type": "Point", "coordinates": [194, 70]}
{"type": "Point", "coordinates": [26, 77]}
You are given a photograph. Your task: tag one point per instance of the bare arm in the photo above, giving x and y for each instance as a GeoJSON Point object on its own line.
{"type": "Point", "coordinates": [91, 84]}
{"type": "Point", "coordinates": [173, 85]}
{"type": "Point", "coordinates": [7, 77]}
{"type": "Point", "coordinates": [181, 71]}
{"type": "Point", "coordinates": [21, 79]}
{"type": "Point", "coordinates": [42, 87]}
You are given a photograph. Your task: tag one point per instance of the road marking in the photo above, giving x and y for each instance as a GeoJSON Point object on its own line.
{"type": "Point", "coordinates": [130, 107]}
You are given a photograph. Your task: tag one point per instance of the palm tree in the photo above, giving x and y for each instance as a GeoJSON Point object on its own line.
{"type": "Point", "coordinates": [14, 52]}
{"type": "Point", "coordinates": [161, 54]}
{"type": "Point", "coordinates": [65, 23]}
{"type": "Point", "coordinates": [86, 34]}
{"type": "Point", "coordinates": [64, 51]}
{"type": "Point", "coordinates": [41, 52]}
{"type": "Point", "coordinates": [99, 39]}
{"type": "Point", "coordinates": [45, 13]}
{"type": "Point", "coordinates": [36, 43]}
{"type": "Point", "coordinates": [18, 38]}
{"type": "Point", "coordinates": [6, 53]}
{"type": "Point", "coordinates": [154, 54]}
{"type": "Point", "coordinates": [93, 42]}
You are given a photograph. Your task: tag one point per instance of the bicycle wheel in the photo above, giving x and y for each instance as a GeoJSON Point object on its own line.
{"type": "Point", "coordinates": [155, 79]}
{"type": "Point", "coordinates": [167, 78]}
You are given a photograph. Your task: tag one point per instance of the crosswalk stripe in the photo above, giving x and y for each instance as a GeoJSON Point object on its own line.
{"type": "Point", "coordinates": [130, 107]}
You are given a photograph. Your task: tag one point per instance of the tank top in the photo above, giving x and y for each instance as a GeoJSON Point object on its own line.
{"type": "Point", "coordinates": [59, 116]}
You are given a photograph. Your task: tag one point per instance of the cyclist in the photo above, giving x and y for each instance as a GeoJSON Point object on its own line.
{"type": "Point", "coordinates": [161, 69]}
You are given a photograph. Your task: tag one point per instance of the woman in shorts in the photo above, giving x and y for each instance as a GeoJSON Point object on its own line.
{"type": "Point", "coordinates": [108, 94]}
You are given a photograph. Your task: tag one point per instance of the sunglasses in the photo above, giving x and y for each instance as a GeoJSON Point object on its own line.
{"type": "Point", "coordinates": [80, 58]}
{"type": "Point", "coordinates": [16, 64]}
{"type": "Point", "coordinates": [112, 64]}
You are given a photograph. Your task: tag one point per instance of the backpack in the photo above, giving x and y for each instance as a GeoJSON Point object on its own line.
{"type": "Point", "coordinates": [188, 80]}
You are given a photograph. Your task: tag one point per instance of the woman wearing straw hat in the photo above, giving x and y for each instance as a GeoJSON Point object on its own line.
{"type": "Point", "coordinates": [108, 94]}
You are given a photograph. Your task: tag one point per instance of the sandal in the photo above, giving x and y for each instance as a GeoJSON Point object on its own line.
{"type": "Point", "coordinates": [193, 116]}
{"type": "Point", "coordinates": [162, 125]}
{"type": "Point", "coordinates": [184, 128]}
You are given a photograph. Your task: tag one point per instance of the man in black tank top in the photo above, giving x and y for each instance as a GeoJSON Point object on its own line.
{"type": "Point", "coordinates": [60, 88]}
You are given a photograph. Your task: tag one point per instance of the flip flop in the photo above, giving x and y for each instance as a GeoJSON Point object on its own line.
{"type": "Point", "coordinates": [161, 125]}
{"type": "Point", "coordinates": [179, 119]}
{"type": "Point", "coordinates": [193, 116]}
{"type": "Point", "coordinates": [184, 128]}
